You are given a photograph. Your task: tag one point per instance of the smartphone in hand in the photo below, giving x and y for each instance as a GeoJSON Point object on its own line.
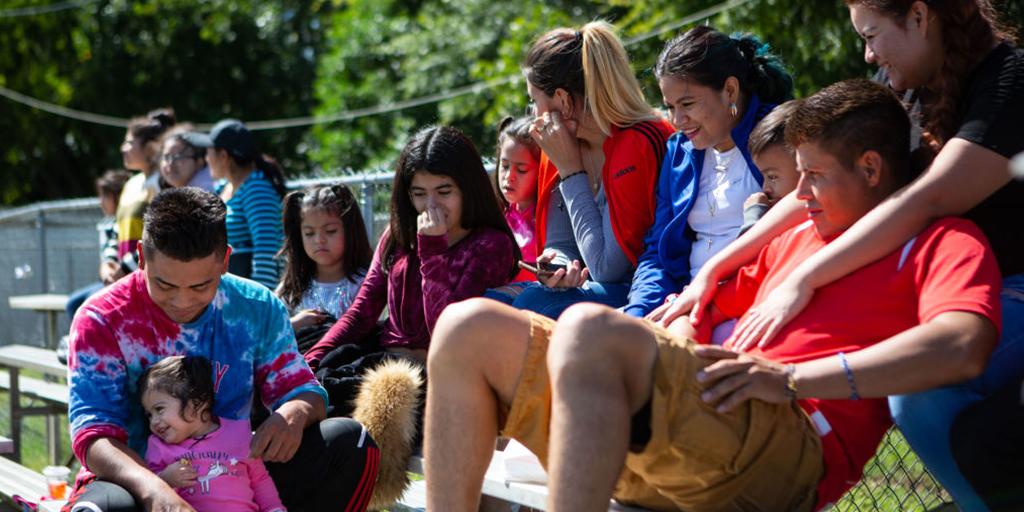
{"type": "Point", "coordinates": [541, 270]}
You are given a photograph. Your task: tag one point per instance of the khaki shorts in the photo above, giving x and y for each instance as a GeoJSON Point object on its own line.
{"type": "Point", "coordinates": [759, 456]}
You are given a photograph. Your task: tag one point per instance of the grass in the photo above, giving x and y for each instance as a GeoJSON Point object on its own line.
{"type": "Point", "coordinates": [894, 480]}
{"type": "Point", "coordinates": [33, 431]}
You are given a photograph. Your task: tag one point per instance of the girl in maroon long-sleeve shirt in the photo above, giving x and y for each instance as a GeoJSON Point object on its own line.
{"type": "Point", "coordinates": [447, 241]}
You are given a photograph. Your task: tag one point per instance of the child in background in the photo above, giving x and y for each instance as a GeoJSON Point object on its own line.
{"type": "Point", "coordinates": [327, 254]}
{"type": "Point", "coordinates": [775, 160]}
{"type": "Point", "coordinates": [205, 458]}
{"type": "Point", "coordinates": [108, 189]}
{"type": "Point", "coordinates": [516, 182]}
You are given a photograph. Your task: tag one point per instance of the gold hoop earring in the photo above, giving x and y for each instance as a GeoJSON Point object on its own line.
{"type": "Point", "coordinates": [733, 109]}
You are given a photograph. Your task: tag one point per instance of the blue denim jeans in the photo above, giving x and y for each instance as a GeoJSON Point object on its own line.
{"type": "Point", "coordinates": [926, 418]}
{"type": "Point", "coordinates": [551, 302]}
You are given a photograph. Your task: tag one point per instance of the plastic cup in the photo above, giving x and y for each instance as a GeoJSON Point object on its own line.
{"type": "Point", "coordinates": [57, 481]}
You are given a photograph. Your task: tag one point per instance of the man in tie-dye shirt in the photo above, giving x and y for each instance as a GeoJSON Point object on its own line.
{"type": "Point", "coordinates": [180, 302]}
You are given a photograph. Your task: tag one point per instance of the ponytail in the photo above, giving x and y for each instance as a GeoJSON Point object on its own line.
{"type": "Point", "coordinates": [299, 268]}
{"type": "Point", "coordinates": [768, 79]}
{"type": "Point", "coordinates": [709, 57]}
{"type": "Point", "coordinates": [590, 63]}
{"type": "Point", "coordinates": [273, 171]}
{"type": "Point", "coordinates": [610, 87]}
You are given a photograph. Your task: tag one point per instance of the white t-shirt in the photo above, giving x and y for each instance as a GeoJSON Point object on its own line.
{"type": "Point", "coordinates": [334, 298]}
{"type": "Point", "coordinates": [717, 214]}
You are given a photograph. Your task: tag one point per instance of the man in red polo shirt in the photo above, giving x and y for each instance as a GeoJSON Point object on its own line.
{"type": "Point", "coordinates": [616, 406]}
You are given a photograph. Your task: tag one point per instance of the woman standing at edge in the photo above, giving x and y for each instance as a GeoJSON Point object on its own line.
{"type": "Point", "coordinates": [602, 145]}
{"type": "Point", "coordinates": [252, 187]}
{"type": "Point", "coordinates": [969, 76]}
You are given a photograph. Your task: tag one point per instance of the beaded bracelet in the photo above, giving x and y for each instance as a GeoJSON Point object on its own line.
{"type": "Point", "coordinates": [849, 376]}
{"type": "Point", "coordinates": [581, 171]}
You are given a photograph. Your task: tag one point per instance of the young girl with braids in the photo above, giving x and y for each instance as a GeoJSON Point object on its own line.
{"type": "Point", "coordinates": [326, 254]}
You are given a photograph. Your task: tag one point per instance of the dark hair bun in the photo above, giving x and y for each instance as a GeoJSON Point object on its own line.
{"type": "Point", "coordinates": [164, 116]}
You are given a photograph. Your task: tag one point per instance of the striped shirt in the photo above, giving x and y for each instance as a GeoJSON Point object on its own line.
{"type": "Point", "coordinates": [254, 226]}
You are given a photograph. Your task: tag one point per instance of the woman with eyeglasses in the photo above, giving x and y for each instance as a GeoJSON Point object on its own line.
{"type": "Point", "coordinates": [602, 145]}
{"type": "Point", "coordinates": [181, 163]}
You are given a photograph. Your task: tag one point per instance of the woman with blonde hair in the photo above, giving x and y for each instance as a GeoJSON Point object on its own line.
{"type": "Point", "coordinates": [602, 146]}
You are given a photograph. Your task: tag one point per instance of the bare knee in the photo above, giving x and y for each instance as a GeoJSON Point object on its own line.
{"type": "Point", "coordinates": [458, 333]}
{"type": "Point", "coordinates": [481, 340]}
{"type": "Point", "coordinates": [593, 342]}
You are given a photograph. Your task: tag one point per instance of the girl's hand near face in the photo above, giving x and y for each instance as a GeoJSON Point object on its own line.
{"type": "Point", "coordinates": [557, 138]}
{"type": "Point", "coordinates": [432, 222]}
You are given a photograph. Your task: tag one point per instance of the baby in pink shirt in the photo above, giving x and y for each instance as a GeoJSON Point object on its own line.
{"type": "Point", "coordinates": [205, 458]}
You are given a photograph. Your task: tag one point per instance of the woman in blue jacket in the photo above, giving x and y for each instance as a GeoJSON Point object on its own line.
{"type": "Point", "coordinates": [716, 89]}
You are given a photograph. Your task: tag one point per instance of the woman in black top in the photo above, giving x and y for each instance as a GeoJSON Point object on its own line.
{"type": "Point", "coordinates": [969, 79]}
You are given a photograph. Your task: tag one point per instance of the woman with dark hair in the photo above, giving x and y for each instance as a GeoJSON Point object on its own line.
{"type": "Point", "coordinates": [252, 186]}
{"type": "Point", "coordinates": [447, 241]}
{"type": "Point", "coordinates": [968, 79]}
{"type": "Point", "coordinates": [140, 151]}
{"type": "Point", "coordinates": [181, 163]}
{"type": "Point", "coordinates": [716, 89]}
{"type": "Point", "coordinates": [602, 145]}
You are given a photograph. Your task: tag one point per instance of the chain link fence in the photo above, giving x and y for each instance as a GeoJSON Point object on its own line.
{"type": "Point", "coordinates": [895, 480]}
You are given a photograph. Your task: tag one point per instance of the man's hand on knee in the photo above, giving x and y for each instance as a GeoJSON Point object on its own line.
{"type": "Point", "coordinates": [734, 378]}
{"type": "Point", "coordinates": [278, 438]}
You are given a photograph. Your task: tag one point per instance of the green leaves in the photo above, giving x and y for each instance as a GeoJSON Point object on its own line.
{"type": "Point", "coordinates": [272, 59]}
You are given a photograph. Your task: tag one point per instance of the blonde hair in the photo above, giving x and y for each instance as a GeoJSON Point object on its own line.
{"type": "Point", "coordinates": [591, 62]}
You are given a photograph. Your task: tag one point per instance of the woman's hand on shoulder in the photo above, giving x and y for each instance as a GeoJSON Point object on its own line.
{"type": "Point", "coordinates": [763, 322]}
{"type": "Point", "coordinates": [557, 138]}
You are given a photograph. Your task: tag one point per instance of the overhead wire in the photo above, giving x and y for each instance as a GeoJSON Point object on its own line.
{"type": "Point", "coordinates": [34, 10]}
{"type": "Point", "coordinates": [382, 108]}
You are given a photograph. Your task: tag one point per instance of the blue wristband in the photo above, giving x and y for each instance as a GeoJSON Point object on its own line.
{"type": "Point", "coordinates": [849, 376]}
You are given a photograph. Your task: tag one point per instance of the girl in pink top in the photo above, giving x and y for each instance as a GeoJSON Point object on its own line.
{"type": "Point", "coordinates": [205, 458]}
{"type": "Point", "coordinates": [516, 182]}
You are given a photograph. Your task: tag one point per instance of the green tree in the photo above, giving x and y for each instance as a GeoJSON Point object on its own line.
{"type": "Point", "coordinates": [208, 60]}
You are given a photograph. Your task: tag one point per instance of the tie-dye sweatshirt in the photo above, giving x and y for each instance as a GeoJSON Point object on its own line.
{"type": "Point", "coordinates": [117, 334]}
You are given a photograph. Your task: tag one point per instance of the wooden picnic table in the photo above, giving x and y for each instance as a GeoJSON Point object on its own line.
{"type": "Point", "coordinates": [17, 357]}
{"type": "Point", "coordinates": [50, 304]}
